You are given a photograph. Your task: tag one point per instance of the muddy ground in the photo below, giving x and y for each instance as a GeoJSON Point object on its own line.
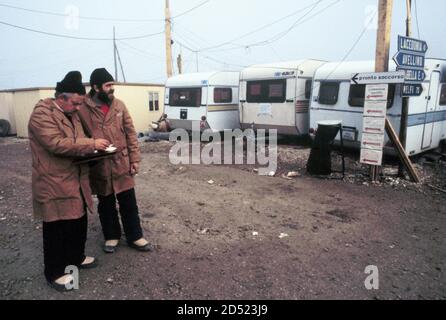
{"type": "Point", "coordinates": [245, 236]}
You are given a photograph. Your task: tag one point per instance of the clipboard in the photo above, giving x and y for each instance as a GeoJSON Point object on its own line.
{"type": "Point", "coordinates": [94, 157]}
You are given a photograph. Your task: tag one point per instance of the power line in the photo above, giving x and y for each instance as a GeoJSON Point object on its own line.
{"type": "Point", "coordinates": [261, 28]}
{"type": "Point", "coordinates": [64, 15]}
{"type": "Point", "coordinates": [120, 62]}
{"type": "Point", "coordinates": [190, 10]}
{"type": "Point", "coordinates": [57, 14]}
{"type": "Point", "coordinates": [283, 33]}
{"type": "Point", "coordinates": [209, 58]}
{"type": "Point", "coordinates": [191, 37]}
{"type": "Point", "coordinates": [140, 51]}
{"type": "Point", "coordinates": [354, 44]}
{"type": "Point", "coordinates": [78, 38]}
{"type": "Point", "coordinates": [348, 52]}
{"type": "Point", "coordinates": [192, 40]}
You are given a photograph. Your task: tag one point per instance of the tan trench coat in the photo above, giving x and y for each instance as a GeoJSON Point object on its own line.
{"type": "Point", "coordinates": [111, 175]}
{"type": "Point", "coordinates": [60, 189]}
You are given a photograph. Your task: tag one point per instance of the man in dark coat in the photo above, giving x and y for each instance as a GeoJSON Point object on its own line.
{"type": "Point", "coordinates": [61, 191]}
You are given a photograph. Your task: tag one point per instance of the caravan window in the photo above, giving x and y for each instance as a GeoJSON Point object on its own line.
{"type": "Point", "coordinates": [443, 95]}
{"type": "Point", "coordinates": [222, 95]}
{"type": "Point", "coordinates": [357, 94]}
{"type": "Point", "coordinates": [185, 97]}
{"type": "Point", "coordinates": [328, 92]}
{"type": "Point", "coordinates": [273, 91]}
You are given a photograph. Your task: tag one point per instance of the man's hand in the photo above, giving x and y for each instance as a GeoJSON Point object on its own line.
{"type": "Point", "coordinates": [101, 144]}
{"type": "Point", "coordinates": [134, 168]}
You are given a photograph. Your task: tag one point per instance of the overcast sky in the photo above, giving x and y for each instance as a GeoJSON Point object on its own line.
{"type": "Point", "coordinates": [228, 34]}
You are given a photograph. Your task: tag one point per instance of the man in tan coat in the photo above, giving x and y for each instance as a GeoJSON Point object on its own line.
{"type": "Point", "coordinates": [104, 116]}
{"type": "Point", "coordinates": [61, 191]}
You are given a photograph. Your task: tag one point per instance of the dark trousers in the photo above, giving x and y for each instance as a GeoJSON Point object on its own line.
{"type": "Point", "coordinates": [63, 245]}
{"type": "Point", "coordinates": [128, 208]}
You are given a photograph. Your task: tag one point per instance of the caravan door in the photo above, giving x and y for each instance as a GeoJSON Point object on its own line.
{"type": "Point", "coordinates": [429, 120]}
{"type": "Point", "coordinates": [269, 104]}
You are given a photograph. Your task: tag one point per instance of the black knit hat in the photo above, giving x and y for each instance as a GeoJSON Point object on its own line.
{"type": "Point", "coordinates": [72, 83]}
{"type": "Point", "coordinates": [99, 77]}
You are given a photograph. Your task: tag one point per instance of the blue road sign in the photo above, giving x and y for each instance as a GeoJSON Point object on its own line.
{"type": "Point", "coordinates": [411, 90]}
{"type": "Point", "coordinates": [413, 75]}
{"type": "Point", "coordinates": [412, 45]}
{"type": "Point", "coordinates": [409, 60]}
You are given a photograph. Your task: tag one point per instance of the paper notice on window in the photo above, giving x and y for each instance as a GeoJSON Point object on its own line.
{"type": "Point", "coordinates": [265, 109]}
{"type": "Point", "coordinates": [371, 157]}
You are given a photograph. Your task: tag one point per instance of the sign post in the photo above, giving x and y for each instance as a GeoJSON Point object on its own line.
{"type": "Point", "coordinates": [374, 120]}
{"type": "Point", "coordinates": [410, 58]}
{"type": "Point", "coordinates": [414, 67]}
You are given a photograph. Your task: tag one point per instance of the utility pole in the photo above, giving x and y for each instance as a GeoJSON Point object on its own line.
{"type": "Point", "coordinates": [115, 54]}
{"type": "Point", "coordinates": [180, 64]}
{"type": "Point", "coordinates": [196, 58]}
{"type": "Point", "coordinates": [382, 49]}
{"type": "Point", "coordinates": [120, 63]}
{"type": "Point", "coordinates": [168, 33]}
{"type": "Point", "coordinates": [382, 65]}
{"type": "Point", "coordinates": [383, 35]}
{"type": "Point", "coordinates": [405, 104]}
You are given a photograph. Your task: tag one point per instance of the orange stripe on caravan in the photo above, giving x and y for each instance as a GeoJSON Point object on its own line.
{"type": "Point", "coordinates": [302, 109]}
{"type": "Point", "coordinates": [229, 107]}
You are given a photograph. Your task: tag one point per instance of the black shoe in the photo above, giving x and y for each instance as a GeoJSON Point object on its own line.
{"type": "Point", "coordinates": [91, 265]}
{"type": "Point", "coordinates": [146, 248]}
{"type": "Point", "coordinates": [109, 249]}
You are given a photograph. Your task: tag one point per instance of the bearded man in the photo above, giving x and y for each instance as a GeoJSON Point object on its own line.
{"type": "Point", "coordinates": [112, 180]}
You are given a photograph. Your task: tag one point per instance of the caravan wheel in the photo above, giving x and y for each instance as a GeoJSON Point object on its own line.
{"type": "Point", "coordinates": [443, 146]}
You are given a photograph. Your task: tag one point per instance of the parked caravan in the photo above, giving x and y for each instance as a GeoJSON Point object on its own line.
{"type": "Point", "coordinates": [209, 99]}
{"type": "Point", "coordinates": [334, 98]}
{"type": "Point", "coordinates": [277, 96]}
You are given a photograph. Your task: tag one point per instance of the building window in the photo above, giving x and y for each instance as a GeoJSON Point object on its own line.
{"type": "Point", "coordinates": [157, 101]}
{"type": "Point", "coordinates": [328, 93]}
{"type": "Point", "coordinates": [185, 97]}
{"type": "Point", "coordinates": [356, 95]}
{"type": "Point", "coordinates": [154, 104]}
{"type": "Point", "coordinates": [272, 91]}
{"type": "Point", "coordinates": [222, 95]}
{"type": "Point", "coordinates": [308, 84]}
{"type": "Point", "coordinates": [443, 95]}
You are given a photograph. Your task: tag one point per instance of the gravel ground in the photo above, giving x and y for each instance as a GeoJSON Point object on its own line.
{"type": "Point", "coordinates": [245, 236]}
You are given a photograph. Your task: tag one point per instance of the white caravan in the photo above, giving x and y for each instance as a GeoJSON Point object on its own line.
{"type": "Point", "coordinates": [277, 96]}
{"type": "Point", "coordinates": [334, 98]}
{"type": "Point", "coordinates": [213, 96]}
